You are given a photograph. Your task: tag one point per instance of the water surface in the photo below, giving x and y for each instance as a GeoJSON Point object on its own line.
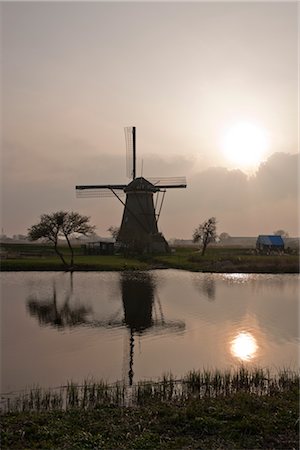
{"type": "Point", "coordinates": [138, 325]}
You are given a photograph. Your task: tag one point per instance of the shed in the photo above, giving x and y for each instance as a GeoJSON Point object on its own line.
{"type": "Point", "coordinates": [269, 243]}
{"type": "Point", "coordinates": [98, 248]}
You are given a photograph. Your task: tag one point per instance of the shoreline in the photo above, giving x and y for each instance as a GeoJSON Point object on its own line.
{"type": "Point", "coordinates": [296, 272]}
{"type": "Point", "coordinates": [27, 258]}
{"type": "Point", "coordinates": [14, 266]}
{"type": "Point", "coordinates": [206, 410]}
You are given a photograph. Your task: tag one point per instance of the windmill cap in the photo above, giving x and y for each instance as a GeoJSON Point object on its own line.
{"type": "Point", "coordinates": [141, 184]}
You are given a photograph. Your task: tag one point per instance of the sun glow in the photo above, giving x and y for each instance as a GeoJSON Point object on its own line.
{"type": "Point", "coordinates": [245, 144]}
{"type": "Point", "coordinates": [244, 346]}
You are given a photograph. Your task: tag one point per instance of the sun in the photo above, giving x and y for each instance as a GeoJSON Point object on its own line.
{"type": "Point", "coordinates": [245, 144]}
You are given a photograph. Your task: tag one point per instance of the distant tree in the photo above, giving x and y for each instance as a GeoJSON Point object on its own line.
{"type": "Point", "coordinates": [281, 233]}
{"type": "Point", "coordinates": [114, 231]}
{"type": "Point", "coordinates": [61, 224]}
{"type": "Point", "coordinates": [223, 236]}
{"type": "Point", "coordinates": [206, 233]}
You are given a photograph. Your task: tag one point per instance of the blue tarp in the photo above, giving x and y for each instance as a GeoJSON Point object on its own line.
{"type": "Point", "coordinates": [275, 241]}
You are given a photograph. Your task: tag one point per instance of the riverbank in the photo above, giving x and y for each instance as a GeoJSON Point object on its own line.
{"type": "Point", "coordinates": [244, 410]}
{"type": "Point", "coordinates": [30, 257]}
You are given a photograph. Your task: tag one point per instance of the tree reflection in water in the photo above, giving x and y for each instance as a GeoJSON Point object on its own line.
{"type": "Point", "coordinates": [206, 286]}
{"type": "Point", "coordinates": [48, 312]}
{"type": "Point", "coordinates": [139, 299]}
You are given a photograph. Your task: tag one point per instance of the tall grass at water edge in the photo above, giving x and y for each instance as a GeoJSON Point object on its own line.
{"type": "Point", "coordinates": [196, 384]}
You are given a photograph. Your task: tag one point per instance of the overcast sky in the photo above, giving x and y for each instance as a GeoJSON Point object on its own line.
{"type": "Point", "coordinates": [74, 74]}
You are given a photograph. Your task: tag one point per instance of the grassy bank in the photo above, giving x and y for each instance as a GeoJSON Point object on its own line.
{"type": "Point", "coordinates": [29, 257]}
{"type": "Point", "coordinates": [230, 260]}
{"type": "Point", "coordinates": [32, 257]}
{"type": "Point", "coordinates": [82, 263]}
{"type": "Point", "coordinates": [233, 410]}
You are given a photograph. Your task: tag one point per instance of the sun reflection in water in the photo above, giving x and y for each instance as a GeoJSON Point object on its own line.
{"type": "Point", "coordinates": [237, 277]}
{"type": "Point", "coordinates": [244, 346]}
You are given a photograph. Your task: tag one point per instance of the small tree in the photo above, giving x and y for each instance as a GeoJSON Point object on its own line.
{"type": "Point", "coordinates": [281, 233]}
{"type": "Point", "coordinates": [224, 236]}
{"type": "Point", "coordinates": [206, 233]}
{"type": "Point", "coordinates": [60, 224]}
{"type": "Point", "coordinates": [114, 231]}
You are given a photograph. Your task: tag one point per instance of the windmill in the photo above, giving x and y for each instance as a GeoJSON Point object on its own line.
{"type": "Point", "coordinates": [139, 226]}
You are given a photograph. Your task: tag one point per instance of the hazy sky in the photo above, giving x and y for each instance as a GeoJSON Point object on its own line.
{"type": "Point", "coordinates": [74, 74]}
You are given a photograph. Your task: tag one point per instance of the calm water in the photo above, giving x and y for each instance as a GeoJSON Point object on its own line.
{"type": "Point", "coordinates": [57, 327]}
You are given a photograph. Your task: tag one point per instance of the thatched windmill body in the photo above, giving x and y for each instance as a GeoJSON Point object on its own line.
{"type": "Point", "coordinates": [139, 229]}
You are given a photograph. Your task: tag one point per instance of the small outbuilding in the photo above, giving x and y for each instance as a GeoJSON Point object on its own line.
{"type": "Point", "coordinates": [98, 248]}
{"type": "Point", "coordinates": [269, 244]}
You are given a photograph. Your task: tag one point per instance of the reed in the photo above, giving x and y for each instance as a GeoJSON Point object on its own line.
{"type": "Point", "coordinates": [195, 384]}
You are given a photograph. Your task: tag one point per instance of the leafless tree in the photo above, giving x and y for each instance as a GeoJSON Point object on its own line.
{"type": "Point", "coordinates": [281, 233]}
{"type": "Point", "coordinates": [114, 231]}
{"type": "Point", "coordinates": [61, 224]}
{"type": "Point", "coordinates": [224, 236]}
{"type": "Point", "coordinates": [206, 233]}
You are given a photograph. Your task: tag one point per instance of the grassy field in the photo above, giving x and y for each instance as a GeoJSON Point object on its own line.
{"type": "Point", "coordinates": [230, 260]}
{"type": "Point", "coordinates": [29, 257]}
{"type": "Point", "coordinates": [42, 257]}
{"type": "Point", "coordinates": [238, 410]}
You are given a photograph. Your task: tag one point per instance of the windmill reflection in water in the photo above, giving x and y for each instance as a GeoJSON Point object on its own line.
{"type": "Point", "coordinates": [142, 313]}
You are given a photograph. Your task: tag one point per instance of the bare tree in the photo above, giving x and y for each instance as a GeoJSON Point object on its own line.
{"type": "Point", "coordinates": [114, 231]}
{"type": "Point", "coordinates": [61, 224]}
{"type": "Point", "coordinates": [281, 233]}
{"type": "Point", "coordinates": [224, 236]}
{"type": "Point", "coordinates": [206, 233]}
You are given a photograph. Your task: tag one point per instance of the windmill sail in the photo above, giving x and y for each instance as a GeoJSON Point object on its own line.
{"type": "Point", "coordinates": [130, 152]}
{"type": "Point", "coordinates": [100, 190]}
{"type": "Point", "coordinates": [97, 193]}
{"type": "Point", "coordinates": [168, 182]}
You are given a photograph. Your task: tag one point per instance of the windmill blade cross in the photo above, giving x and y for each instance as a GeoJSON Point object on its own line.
{"type": "Point", "coordinates": [139, 229]}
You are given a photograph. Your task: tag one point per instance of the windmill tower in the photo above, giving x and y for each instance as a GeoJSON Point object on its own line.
{"type": "Point", "coordinates": [139, 229]}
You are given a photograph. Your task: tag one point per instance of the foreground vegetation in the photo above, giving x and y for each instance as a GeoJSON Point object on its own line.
{"type": "Point", "coordinates": [216, 259]}
{"type": "Point", "coordinates": [216, 410]}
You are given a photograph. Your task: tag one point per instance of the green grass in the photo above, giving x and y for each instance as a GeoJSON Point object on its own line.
{"type": "Point", "coordinates": [41, 257]}
{"type": "Point", "coordinates": [242, 409]}
{"type": "Point", "coordinates": [82, 263]}
{"type": "Point", "coordinates": [230, 260]}
{"type": "Point", "coordinates": [29, 257]}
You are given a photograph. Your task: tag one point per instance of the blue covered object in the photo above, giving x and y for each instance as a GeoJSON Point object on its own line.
{"type": "Point", "coordinates": [277, 241]}
{"type": "Point", "coordinates": [269, 242]}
